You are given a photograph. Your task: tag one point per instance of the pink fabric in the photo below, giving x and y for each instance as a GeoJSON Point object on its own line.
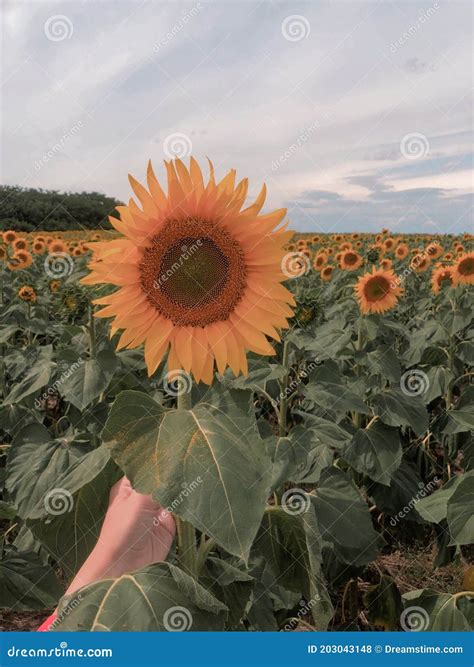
{"type": "Point", "coordinates": [44, 627]}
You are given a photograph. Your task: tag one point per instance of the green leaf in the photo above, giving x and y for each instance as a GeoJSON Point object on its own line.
{"type": "Point", "coordinates": [384, 604]}
{"type": "Point", "coordinates": [89, 380]}
{"type": "Point", "coordinates": [441, 612]}
{"type": "Point", "coordinates": [384, 362]}
{"type": "Point", "coordinates": [335, 397]}
{"type": "Point", "coordinates": [260, 373]}
{"type": "Point", "coordinates": [400, 497]}
{"type": "Point", "coordinates": [397, 409]}
{"type": "Point", "coordinates": [159, 597]}
{"type": "Point", "coordinates": [344, 518]}
{"type": "Point", "coordinates": [375, 452]}
{"type": "Point", "coordinates": [291, 544]}
{"type": "Point", "coordinates": [434, 508]}
{"type": "Point", "coordinates": [37, 377]}
{"type": "Point", "coordinates": [163, 452]}
{"type": "Point", "coordinates": [232, 586]}
{"type": "Point", "coordinates": [70, 536]}
{"type": "Point", "coordinates": [439, 378]}
{"type": "Point", "coordinates": [35, 464]}
{"type": "Point", "coordinates": [26, 583]}
{"type": "Point", "coordinates": [7, 511]}
{"type": "Point", "coordinates": [460, 514]}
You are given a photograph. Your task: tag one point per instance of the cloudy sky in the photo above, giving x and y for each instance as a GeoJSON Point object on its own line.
{"type": "Point", "coordinates": [357, 115]}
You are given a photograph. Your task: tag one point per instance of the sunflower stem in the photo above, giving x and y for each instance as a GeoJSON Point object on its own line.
{"type": "Point", "coordinates": [284, 397]}
{"type": "Point", "coordinates": [92, 331]}
{"type": "Point", "coordinates": [187, 556]}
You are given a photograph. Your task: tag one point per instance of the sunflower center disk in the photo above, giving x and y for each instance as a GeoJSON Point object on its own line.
{"type": "Point", "coordinates": [193, 273]}
{"type": "Point", "coordinates": [376, 289]}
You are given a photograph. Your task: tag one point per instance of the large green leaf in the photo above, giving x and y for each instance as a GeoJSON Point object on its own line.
{"type": "Point", "coordinates": [344, 519]}
{"type": "Point", "coordinates": [157, 597]}
{"type": "Point", "coordinates": [397, 409]}
{"type": "Point", "coordinates": [375, 451]}
{"type": "Point", "coordinates": [89, 380]}
{"type": "Point", "coordinates": [291, 544]}
{"type": "Point", "coordinates": [35, 464]}
{"type": "Point", "coordinates": [26, 583]}
{"type": "Point", "coordinates": [70, 536]}
{"type": "Point", "coordinates": [204, 449]}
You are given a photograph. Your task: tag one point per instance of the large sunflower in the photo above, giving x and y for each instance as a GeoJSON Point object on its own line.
{"type": "Point", "coordinates": [463, 270]}
{"type": "Point", "coordinates": [197, 274]}
{"type": "Point", "coordinates": [378, 291]}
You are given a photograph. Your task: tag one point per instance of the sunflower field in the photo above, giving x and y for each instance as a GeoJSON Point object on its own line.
{"type": "Point", "coordinates": [302, 404]}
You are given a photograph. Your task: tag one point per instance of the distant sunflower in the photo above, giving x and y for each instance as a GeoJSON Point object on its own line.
{"type": "Point", "coordinates": [388, 244]}
{"type": "Point", "coordinates": [196, 273]}
{"type": "Point", "coordinates": [326, 273]}
{"type": "Point", "coordinates": [350, 261]}
{"type": "Point", "coordinates": [38, 247]}
{"type": "Point", "coordinates": [57, 246]}
{"type": "Point", "coordinates": [401, 251]}
{"type": "Point", "coordinates": [386, 264]}
{"type": "Point", "coordinates": [3, 253]}
{"type": "Point", "coordinates": [378, 291]}
{"type": "Point", "coordinates": [20, 260]}
{"type": "Point", "coordinates": [419, 263]}
{"type": "Point", "coordinates": [434, 250]}
{"type": "Point", "coordinates": [441, 276]}
{"type": "Point", "coordinates": [20, 243]}
{"type": "Point", "coordinates": [320, 260]}
{"type": "Point", "coordinates": [463, 270]}
{"type": "Point", "coordinates": [9, 236]}
{"type": "Point", "coordinates": [54, 285]}
{"type": "Point", "coordinates": [27, 293]}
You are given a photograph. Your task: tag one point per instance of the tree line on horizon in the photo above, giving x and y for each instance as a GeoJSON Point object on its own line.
{"type": "Point", "coordinates": [31, 209]}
